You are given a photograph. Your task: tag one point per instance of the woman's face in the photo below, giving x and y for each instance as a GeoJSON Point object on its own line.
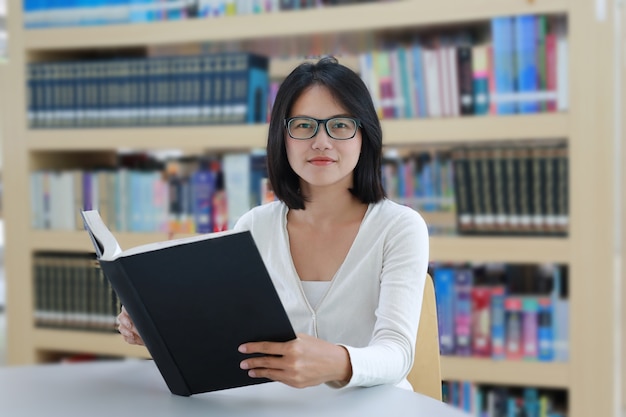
{"type": "Point", "coordinates": [322, 161]}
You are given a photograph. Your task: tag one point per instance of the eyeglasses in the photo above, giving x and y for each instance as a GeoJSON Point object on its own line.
{"type": "Point", "coordinates": [339, 128]}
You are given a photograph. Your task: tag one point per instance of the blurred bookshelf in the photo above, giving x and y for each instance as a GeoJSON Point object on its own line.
{"type": "Point", "coordinates": [586, 249]}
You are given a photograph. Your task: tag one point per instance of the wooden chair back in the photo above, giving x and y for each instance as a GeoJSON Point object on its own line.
{"type": "Point", "coordinates": [425, 375]}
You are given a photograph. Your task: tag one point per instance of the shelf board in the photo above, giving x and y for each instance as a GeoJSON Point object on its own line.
{"type": "Point", "coordinates": [396, 132]}
{"type": "Point", "coordinates": [287, 24]}
{"type": "Point", "coordinates": [522, 249]}
{"type": "Point", "coordinates": [476, 129]}
{"type": "Point", "coordinates": [442, 248]}
{"type": "Point", "coordinates": [86, 342]}
{"type": "Point", "coordinates": [242, 137]}
{"type": "Point", "coordinates": [487, 371]}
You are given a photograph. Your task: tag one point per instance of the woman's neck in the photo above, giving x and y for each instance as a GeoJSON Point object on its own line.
{"type": "Point", "coordinates": [326, 207]}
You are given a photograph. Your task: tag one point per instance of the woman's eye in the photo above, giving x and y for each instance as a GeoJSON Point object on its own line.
{"type": "Point", "coordinates": [304, 126]}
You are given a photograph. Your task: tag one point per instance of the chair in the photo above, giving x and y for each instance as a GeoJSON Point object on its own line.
{"type": "Point", "coordinates": [425, 375]}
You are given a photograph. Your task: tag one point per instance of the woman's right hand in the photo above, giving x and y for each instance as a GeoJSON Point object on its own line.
{"type": "Point", "coordinates": [127, 329]}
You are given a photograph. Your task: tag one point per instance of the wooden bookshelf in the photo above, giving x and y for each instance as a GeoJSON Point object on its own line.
{"type": "Point", "coordinates": [46, 341]}
{"type": "Point", "coordinates": [397, 133]}
{"type": "Point", "coordinates": [589, 129]}
{"type": "Point", "coordinates": [538, 374]}
{"type": "Point", "coordinates": [360, 18]}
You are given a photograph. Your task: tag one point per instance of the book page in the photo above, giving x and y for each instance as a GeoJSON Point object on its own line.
{"type": "Point", "coordinates": [104, 242]}
{"type": "Point", "coordinates": [173, 242]}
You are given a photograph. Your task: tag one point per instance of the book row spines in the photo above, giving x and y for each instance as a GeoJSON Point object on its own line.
{"type": "Point", "coordinates": [70, 292]}
{"type": "Point", "coordinates": [514, 317]}
{"type": "Point", "coordinates": [184, 196]}
{"type": "Point", "coordinates": [519, 67]}
{"type": "Point", "coordinates": [515, 189]}
{"type": "Point", "coordinates": [512, 189]}
{"type": "Point", "coordinates": [219, 88]}
{"type": "Point", "coordinates": [63, 13]}
{"type": "Point", "coordinates": [483, 400]}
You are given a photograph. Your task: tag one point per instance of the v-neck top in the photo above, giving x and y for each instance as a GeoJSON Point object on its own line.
{"type": "Point", "coordinates": [314, 291]}
{"type": "Point", "coordinates": [372, 305]}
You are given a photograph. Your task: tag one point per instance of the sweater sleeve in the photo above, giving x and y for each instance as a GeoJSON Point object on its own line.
{"type": "Point", "coordinates": [389, 356]}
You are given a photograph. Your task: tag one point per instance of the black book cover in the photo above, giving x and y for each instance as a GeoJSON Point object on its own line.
{"type": "Point", "coordinates": [194, 303]}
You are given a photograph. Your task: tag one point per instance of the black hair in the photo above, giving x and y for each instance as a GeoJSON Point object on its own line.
{"type": "Point", "coordinates": [349, 90]}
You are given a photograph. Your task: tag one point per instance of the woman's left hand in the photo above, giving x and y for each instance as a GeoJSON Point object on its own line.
{"type": "Point", "coordinates": [302, 362]}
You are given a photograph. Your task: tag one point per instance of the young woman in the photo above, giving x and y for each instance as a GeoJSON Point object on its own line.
{"type": "Point", "coordinates": [348, 264]}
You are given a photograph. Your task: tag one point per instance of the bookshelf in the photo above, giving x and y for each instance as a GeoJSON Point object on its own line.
{"type": "Point", "coordinates": [589, 251]}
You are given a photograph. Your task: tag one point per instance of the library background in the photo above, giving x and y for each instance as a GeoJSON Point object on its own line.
{"type": "Point", "coordinates": [503, 123]}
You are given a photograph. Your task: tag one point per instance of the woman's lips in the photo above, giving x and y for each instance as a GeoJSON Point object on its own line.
{"type": "Point", "coordinates": [321, 161]}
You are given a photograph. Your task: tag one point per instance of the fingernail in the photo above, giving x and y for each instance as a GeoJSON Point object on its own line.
{"type": "Point", "coordinates": [243, 365]}
{"type": "Point", "coordinates": [242, 348]}
{"type": "Point", "coordinates": [252, 374]}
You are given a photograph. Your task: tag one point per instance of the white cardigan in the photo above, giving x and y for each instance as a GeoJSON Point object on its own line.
{"type": "Point", "coordinates": [373, 303]}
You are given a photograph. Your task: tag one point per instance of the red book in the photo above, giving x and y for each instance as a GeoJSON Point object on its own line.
{"type": "Point", "coordinates": [481, 321]}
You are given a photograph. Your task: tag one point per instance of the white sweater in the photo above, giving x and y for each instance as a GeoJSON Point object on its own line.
{"type": "Point", "coordinates": [373, 303]}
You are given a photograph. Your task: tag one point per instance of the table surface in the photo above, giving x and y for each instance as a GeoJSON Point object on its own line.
{"type": "Point", "coordinates": [135, 388]}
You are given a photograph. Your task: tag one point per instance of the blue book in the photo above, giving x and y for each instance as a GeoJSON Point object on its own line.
{"type": "Point", "coordinates": [531, 402]}
{"type": "Point", "coordinates": [545, 332]}
{"type": "Point", "coordinates": [444, 279]}
{"type": "Point", "coordinates": [207, 96]}
{"type": "Point", "coordinates": [408, 110]}
{"type": "Point", "coordinates": [503, 63]}
{"type": "Point", "coordinates": [526, 60]}
{"type": "Point", "coordinates": [202, 190]}
{"type": "Point", "coordinates": [258, 171]}
{"type": "Point", "coordinates": [498, 327]}
{"type": "Point", "coordinates": [418, 77]}
{"type": "Point", "coordinates": [158, 90]}
{"type": "Point", "coordinates": [256, 76]}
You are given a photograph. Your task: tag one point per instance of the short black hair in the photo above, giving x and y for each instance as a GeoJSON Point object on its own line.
{"type": "Point", "coordinates": [349, 90]}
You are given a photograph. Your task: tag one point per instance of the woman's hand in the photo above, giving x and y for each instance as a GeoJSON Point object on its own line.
{"type": "Point", "coordinates": [302, 362]}
{"type": "Point", "coordinates": [127, 329]}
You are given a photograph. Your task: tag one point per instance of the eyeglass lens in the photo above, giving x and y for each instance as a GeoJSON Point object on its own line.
{"type": "Point", "coordinates": [337, 128]}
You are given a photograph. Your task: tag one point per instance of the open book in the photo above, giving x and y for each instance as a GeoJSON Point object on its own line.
{"type": "Point", "coordinates": [194, 301]}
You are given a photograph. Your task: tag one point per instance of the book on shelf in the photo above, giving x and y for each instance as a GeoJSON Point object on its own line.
{"type": "Point", "coordinates": [194, 300]}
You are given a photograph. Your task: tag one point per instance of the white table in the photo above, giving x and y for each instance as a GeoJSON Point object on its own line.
{"type": "Point", "coordinates": [135, 388]}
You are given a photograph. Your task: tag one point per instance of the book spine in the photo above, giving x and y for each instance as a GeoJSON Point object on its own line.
{"type": "Point", "coordinates": [256, 88]}
{"type": "Point", "coordinates": [123, 287]}
{"type": "Point", "coordinates": [498, 324]}
{"type": "Point", "coordinates": [529, 328]}
{"type": "Point", "coordinates": [481, 321]}
{"type": "Point", "coordinates": [463, 196]}
{"type": "Point", "coordinates": [503, 60]}
{"type": "Point", "coordinates": [466, 79]}
{"type": "Point", "coordinates": [526, 60]}
{"type": "Point", "coordinates": [545, 332]}
{"type": "Point", "coordinates": [463, 311]}
{"type": "Point", "coordinates": [444, 288]}
{"type": "Point", "coordinates": [513, 322]}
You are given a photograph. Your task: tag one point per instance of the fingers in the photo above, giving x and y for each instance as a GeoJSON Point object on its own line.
{"type": "Point", "coordinates": [127, 329]}
{"type": "Point", "coordinates": [264, 362]}
{"type": "Point", "coordinates": [268, 348]}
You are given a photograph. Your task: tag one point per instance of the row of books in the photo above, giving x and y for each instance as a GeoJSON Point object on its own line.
{"type": "Point", "coordinates": [176, 90]}
{"type": "Point", "coordinates": [185, 195]}
{"type": "Point", "coordinates": [480, 400]}
{"type": "Point", "coordinates": [513, 189]}
{"type": "Point", "coordinates": [512, 312]}
{"type": "Point", "coordinates": [70, 292]}
{"type": "Point", "coordinates": [60, 13]}
{"type": "Point", "coordinates": [423, 180]}
{"type": "Point", "coordinates": [522, 68]}
{"type": "Point", "coordinates": [505, 190]}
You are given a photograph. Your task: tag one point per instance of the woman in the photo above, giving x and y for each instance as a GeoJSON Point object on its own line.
{"type": "Point", "coordinates": [348, 264]}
